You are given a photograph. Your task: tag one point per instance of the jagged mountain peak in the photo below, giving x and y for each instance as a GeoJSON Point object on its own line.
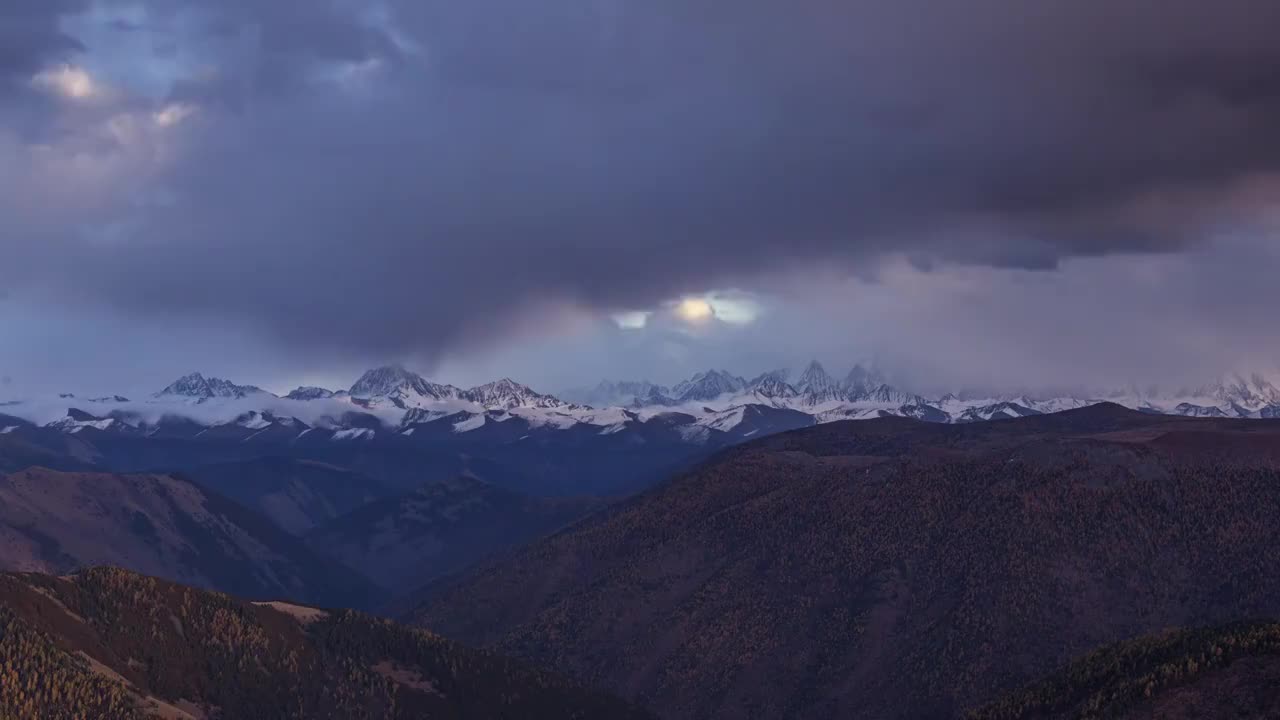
{"type": "Point", "coordinates": [714, 373]}
{"type": "Point", "coordinates": [80, 415]}
{"type": "Point", "coordinates": [890, 395]}
{"type": "Point", "coordinates": [817, 386]}
{"type": "Point", "coordinates": [508, 394]}
{"type": "Point", "coordinates": [385, 380]}
{"type": "Point", "coordinates": [816, 376]}
{"type": "Point", "coordinates": [774, 388]}
{"type": "Point", "coordinates": [657, 396]}
{"type": "Point", "coordinates": [773, 385]}
{"type": "Point", "coordinates": [815, 366]}
{"type": "Point", "coordinates": [307, 392]}
{"type": "Point", "coordinates": [709, 385]}
{"type": "Point", "coordinates": [772, 376]}
{"type": "Point", "coordinates": [1239, 391]}
{"type": "Point", "coordinates": [862, 380]}
{"type": "Point", "coordinates": [77, 420]}
{"type": "Point", "coordinates": [1251, 390]}
{"type": "Point", "coordinates": [401, 386]}
{"type": "Point", "coordinates": [201, 388]}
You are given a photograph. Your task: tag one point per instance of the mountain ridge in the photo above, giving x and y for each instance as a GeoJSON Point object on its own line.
{"type": "Point", "coordinates": [393, 400]}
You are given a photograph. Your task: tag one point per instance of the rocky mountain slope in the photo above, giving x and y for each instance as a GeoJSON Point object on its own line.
{"type": "Point", "coordinates": [107, 643]}
{"type": "Point", "coordinates": [58, 522]}
{"type": "Point", "coordinates": [893, 568]}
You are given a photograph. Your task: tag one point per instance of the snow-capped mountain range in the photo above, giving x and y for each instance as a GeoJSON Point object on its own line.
{"type": "Point", "coordinates": [711, 406]}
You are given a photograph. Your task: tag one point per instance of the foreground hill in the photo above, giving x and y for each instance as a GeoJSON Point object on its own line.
{"type": "Point", "coordinates": [1222, 672]}
{"type": "Point", "coordinates": [57, 522]}
{"type": "Point", "coordinates": [893, 568]}
{"type": "Point", "coordinates": [444, 527]}
{"type": "Point", "coordinates": [112, 644]}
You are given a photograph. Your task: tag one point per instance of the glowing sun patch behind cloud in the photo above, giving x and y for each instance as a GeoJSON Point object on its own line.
{"type": "Point", "coordinates": [694, 310]}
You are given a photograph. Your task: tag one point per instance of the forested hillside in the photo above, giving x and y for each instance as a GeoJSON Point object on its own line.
{"type": "Point", "coordinates": [1222, 672]}
{"type": "Point", "coordinates": [892, 568]}
{"type": "Point", "coordinates": [107, 643]}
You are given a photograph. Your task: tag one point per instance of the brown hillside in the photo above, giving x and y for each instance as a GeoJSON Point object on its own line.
{"type": "Point", "coordinates": [892, 568]}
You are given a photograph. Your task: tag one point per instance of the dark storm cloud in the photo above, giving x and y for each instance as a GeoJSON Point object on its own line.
{"type": "Point", "coordinates": [323, 29]}
{"type": "Point", "coordinates": [30, 38]}
{"type": "Point", "coordinates": [419, 176]}
{"type": "Point", "coordinates": [266, 47]}
{"type": "Point", "coordinates": [30, 35]}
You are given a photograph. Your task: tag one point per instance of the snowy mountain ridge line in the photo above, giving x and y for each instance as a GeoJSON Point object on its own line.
{"type": "Point", "coordinates": [393, 399]}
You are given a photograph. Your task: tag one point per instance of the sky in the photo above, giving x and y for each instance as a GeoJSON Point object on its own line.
{"type": "Point", "coordinates": [975, 193]}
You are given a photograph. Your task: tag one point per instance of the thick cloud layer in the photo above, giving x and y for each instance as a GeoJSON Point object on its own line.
{"type": "Point", "coordinates": [30, 34]}
{"type": "Point", "coordinates": [426, 177]}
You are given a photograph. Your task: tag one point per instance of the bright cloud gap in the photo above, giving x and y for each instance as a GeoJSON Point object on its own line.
{"type": "Point", "coordinates": [733, 308]}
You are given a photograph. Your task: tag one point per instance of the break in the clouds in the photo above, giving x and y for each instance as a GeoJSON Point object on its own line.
{"type": "Point", "coordinates": [436, 179]}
